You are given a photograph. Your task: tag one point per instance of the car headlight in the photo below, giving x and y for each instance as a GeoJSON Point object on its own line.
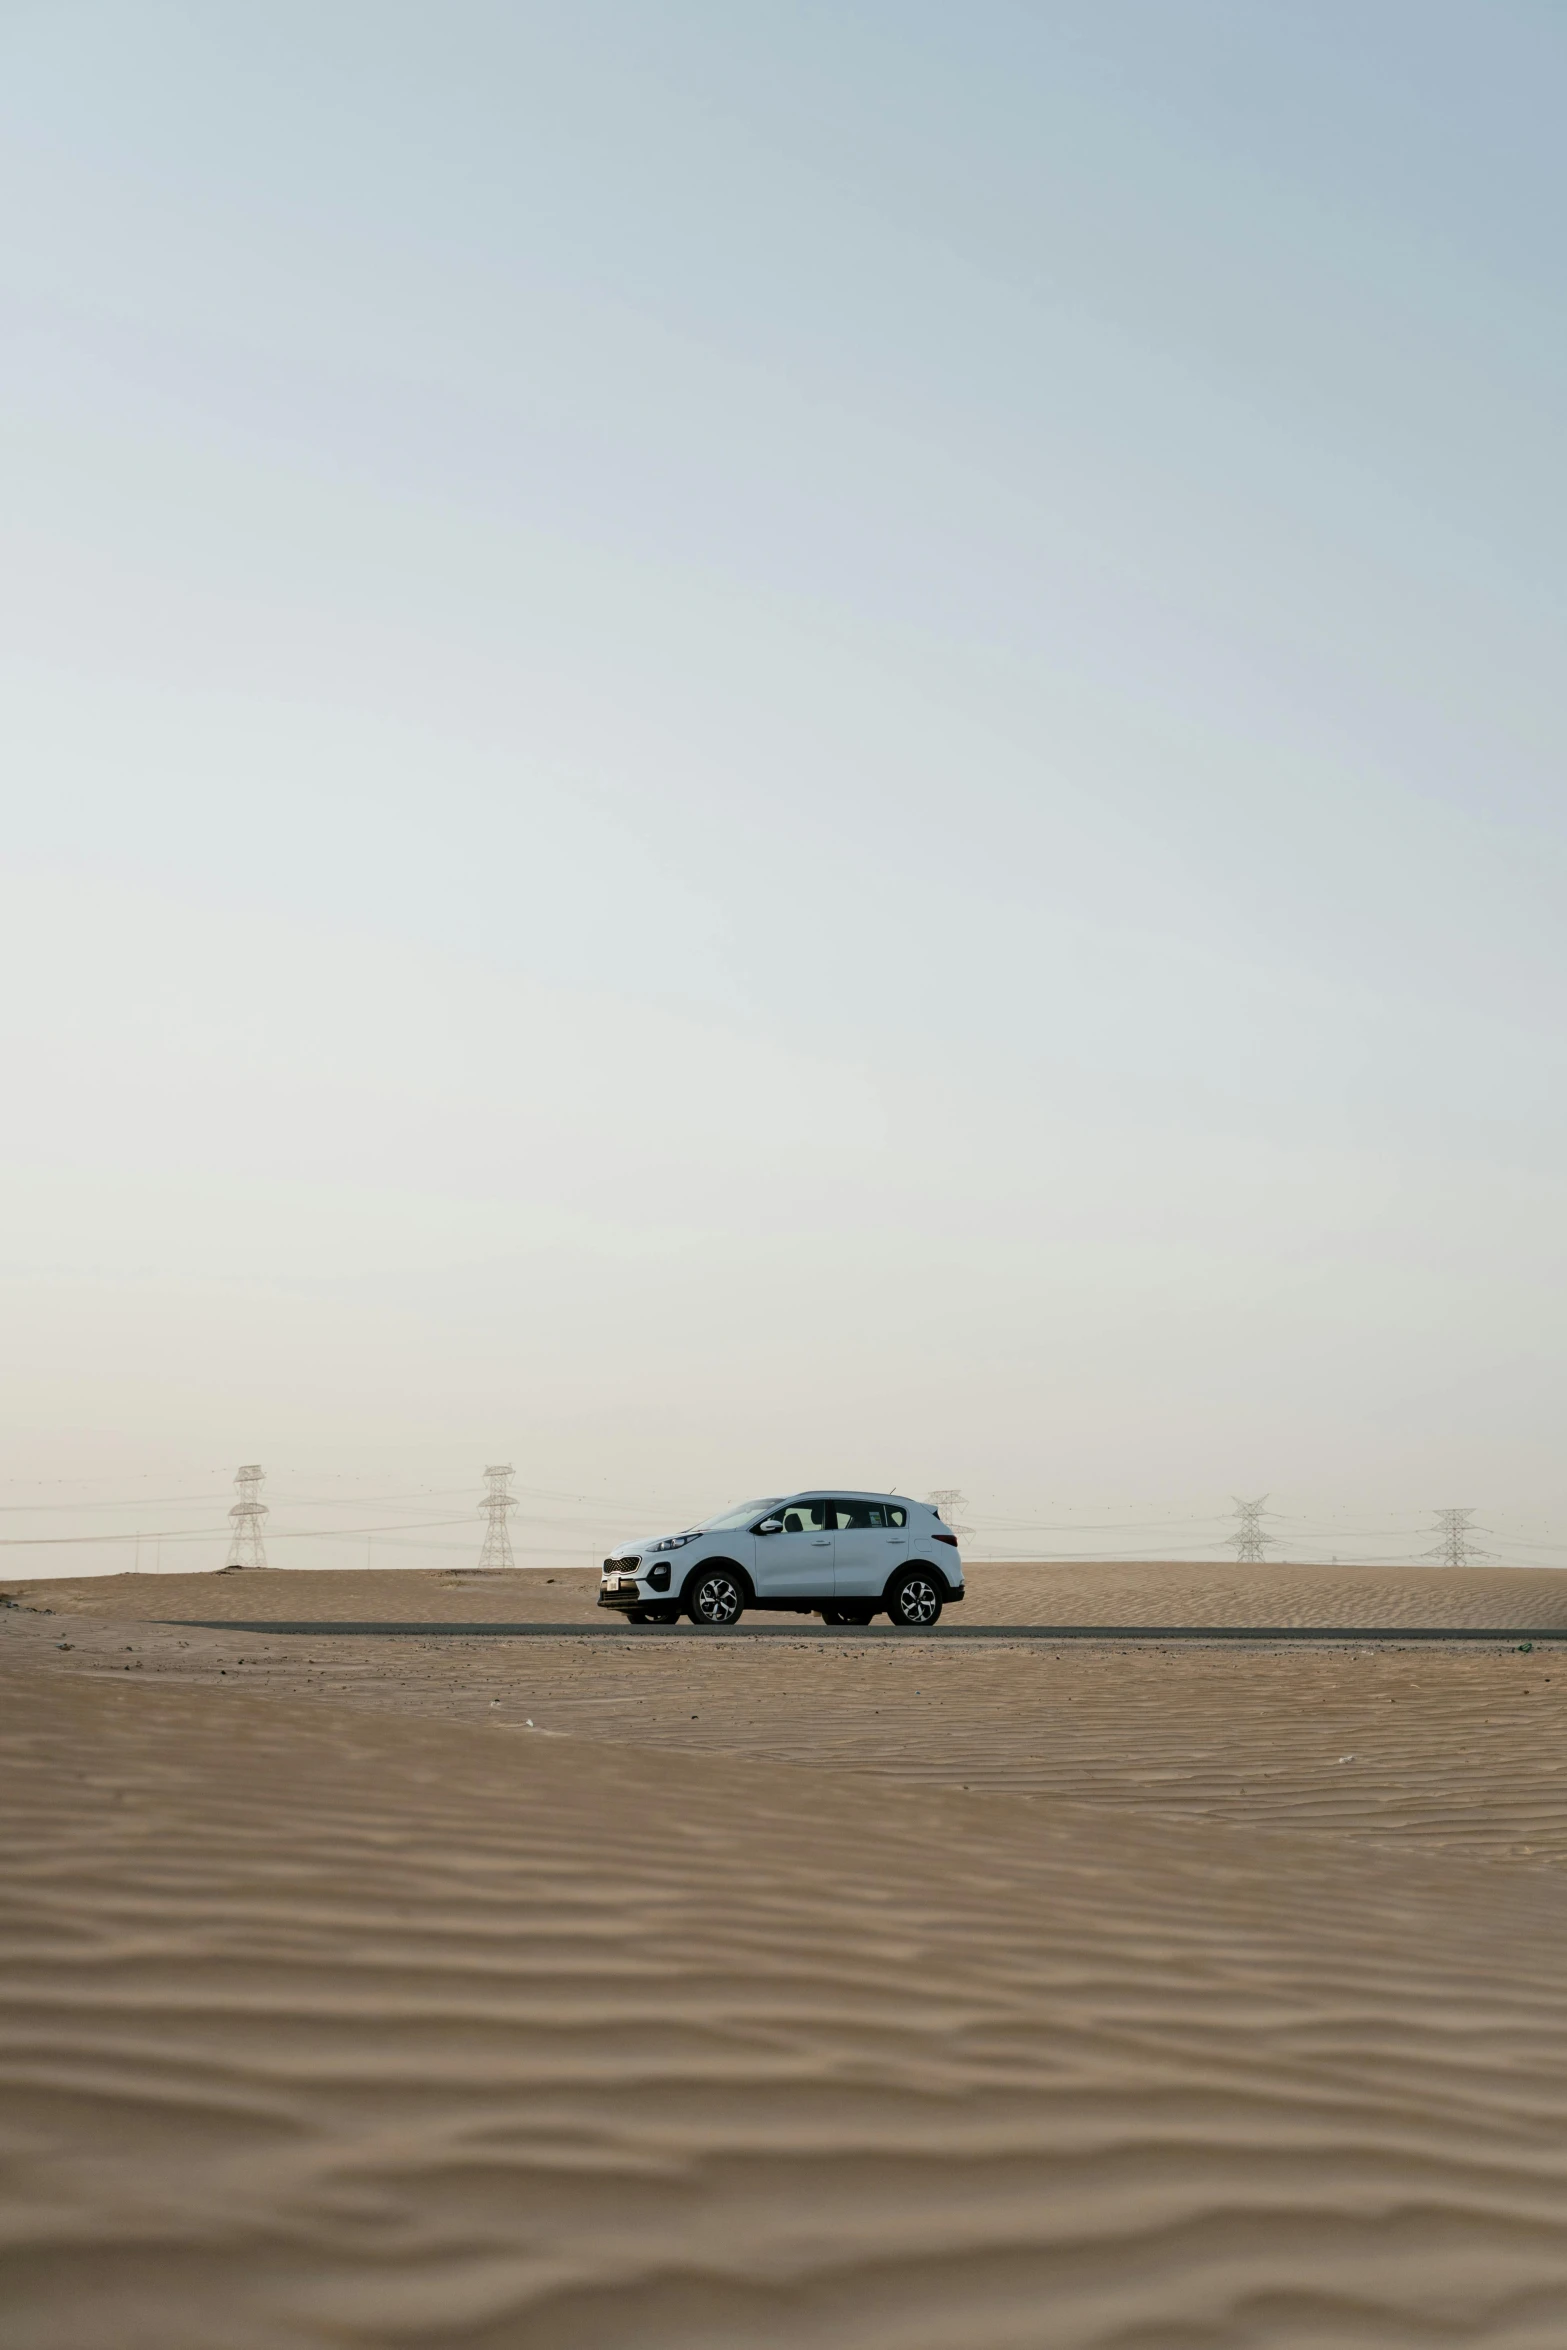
{"type": "Point", "coordinates": [672, 1542]}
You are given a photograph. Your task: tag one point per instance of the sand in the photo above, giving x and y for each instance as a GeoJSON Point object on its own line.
{"type": "Point", "coordinates": [1023, 1594]}
{"type": "Point", "coordinates": [817, 1990]}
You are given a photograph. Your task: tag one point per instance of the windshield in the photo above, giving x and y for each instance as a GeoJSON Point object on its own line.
{"type": "Point", "coordinates": [745, 1514]}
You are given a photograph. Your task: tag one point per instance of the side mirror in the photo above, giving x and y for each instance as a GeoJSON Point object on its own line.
{"type": "Point", "coordinates": [770, 1526]}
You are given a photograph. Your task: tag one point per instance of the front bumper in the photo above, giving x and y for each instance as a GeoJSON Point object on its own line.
{"type": "Point", "coordinates": [624, 1594]}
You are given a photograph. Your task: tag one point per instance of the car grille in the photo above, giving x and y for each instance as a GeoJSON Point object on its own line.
{"type": "Point", "coordinates": [630, 1564]}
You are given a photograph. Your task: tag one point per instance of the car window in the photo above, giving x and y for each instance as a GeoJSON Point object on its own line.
{"type": "Point", "coordinates": [858, 1516]}
{"type": "Point", "coordinates": [804, 1517]}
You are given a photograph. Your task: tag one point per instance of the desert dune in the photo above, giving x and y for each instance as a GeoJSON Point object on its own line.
{"type": "Point", "coordinates": [626, 1991]}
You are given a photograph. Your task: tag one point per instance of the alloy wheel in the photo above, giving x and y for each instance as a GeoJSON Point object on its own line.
{"type": "Point", "coordinates": [716, 1600]}
{"type": "Point", "coordinates": [918, 1602]}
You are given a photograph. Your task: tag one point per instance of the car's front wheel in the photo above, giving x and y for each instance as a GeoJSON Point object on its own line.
{"type": "Point", "coordinates": [914, 1602]}
{"type": "Point", "coordinates": [715, 1598]}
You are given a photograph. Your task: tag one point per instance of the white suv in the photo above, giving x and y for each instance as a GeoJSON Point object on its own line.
{"type": "Point", "coordinates": [843, 1556]}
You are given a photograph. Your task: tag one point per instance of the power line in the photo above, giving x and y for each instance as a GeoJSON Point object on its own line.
{"type": "Point", "coordinates": [136, 1501]}
{"type": "Point", "coordinates": [206, 1533]}
{"type": "Point", "coordinates": [543, 1511]}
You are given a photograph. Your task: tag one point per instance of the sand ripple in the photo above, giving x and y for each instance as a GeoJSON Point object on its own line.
{"type": "Point", "coordinates": [323, 2026]}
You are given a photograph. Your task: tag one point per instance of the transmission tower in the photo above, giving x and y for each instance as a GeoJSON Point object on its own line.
{"type": "Point", "coordinates": [947, 1501]}
{"type": "Point", "coordinates": [494, 1510]}
{"type": "Point", "coordinates": [1249, 1543]}
{"type": "Point", "coordinates": [246, 1548]}
{"type": "Point", "coordinates": [1455, 1546]}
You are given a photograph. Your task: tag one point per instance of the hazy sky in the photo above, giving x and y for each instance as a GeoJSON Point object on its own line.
{"type": "Point", "coordinates": [754, 744]}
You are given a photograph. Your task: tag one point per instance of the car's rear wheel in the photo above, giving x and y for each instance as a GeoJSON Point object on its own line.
{"type": "Point", "coordinates": [914, 1602]}
{"type": "Point", "coordinates": [715, 1597]}
{"type": "Point", "coordinates": [847, 1615]}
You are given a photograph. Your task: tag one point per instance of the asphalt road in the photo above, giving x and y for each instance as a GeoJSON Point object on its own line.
{"type": "Point", "coordinates": [1316, 1634]}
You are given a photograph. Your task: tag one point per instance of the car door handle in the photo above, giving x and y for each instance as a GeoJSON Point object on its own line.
{"type": "Point", "coordinates": [822, 1542]}
{"type": "Point", "coordinates": [895, 1541]}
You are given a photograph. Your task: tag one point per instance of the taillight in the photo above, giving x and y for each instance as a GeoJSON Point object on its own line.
{"type": "Point", "coordinates": [952, 1538]}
